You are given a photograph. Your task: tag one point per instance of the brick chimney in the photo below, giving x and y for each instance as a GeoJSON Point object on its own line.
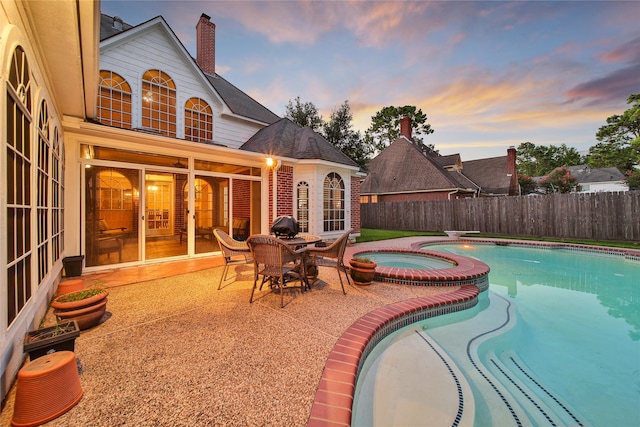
{"type": "Point", "coordinates": [206, 44]}
{"type": "Point", "coordinates": [405, 127]}
{"type": "Point", "coordinates": [511, 171]}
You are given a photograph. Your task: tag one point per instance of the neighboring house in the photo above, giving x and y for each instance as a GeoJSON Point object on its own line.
{"type": "Point", "coordinates": [127, 150]}
{"type": "Point", "coordinates": [592, 180]}
{"type": "Point", "coordinates": [408, 171]}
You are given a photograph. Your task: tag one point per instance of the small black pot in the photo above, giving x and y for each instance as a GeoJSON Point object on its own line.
{"type": "Point", "coordinates": [61, 337]}
{"type": "Point", "coordinates": [73, 265]}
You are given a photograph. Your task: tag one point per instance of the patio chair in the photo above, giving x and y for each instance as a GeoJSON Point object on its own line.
{"type": "Point", "coordinates": [276, 262]}
{"type": "Point", "coordinates": [105, 231]}
{"type": "Point", "coordinates": [332, 256]}
{"type": "Point", "coordinates": [233, 252]}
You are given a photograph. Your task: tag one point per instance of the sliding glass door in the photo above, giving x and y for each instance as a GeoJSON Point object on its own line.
{"type": "Point", "coordinates": [164, 220]}
{"type": "Point", "coordinates": [142, 206]}
{"type": "Point", "coordinates": [111, 215]}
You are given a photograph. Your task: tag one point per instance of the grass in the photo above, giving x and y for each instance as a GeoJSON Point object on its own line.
{"type": "Point", "coordinates": [372, 235]}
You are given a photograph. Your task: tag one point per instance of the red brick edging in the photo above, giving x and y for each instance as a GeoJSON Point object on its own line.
{"type": "Point", "coordinates": [334, 398]}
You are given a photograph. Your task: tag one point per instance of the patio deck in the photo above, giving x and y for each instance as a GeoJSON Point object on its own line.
{"type": "Point", "coordinates": [176, 351]}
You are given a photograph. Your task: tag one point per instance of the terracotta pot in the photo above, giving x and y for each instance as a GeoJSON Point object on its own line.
{"type": "Point", "coordinates": [362, 273]}
{"type": "Point", "coordinates": [87, 312]}
{"type": "Point", "coordinates": [70, 286]}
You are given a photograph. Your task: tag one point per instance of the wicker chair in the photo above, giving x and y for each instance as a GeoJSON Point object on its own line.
{"type": "Point", "coordinates": [332, 256]}
{"type": "Point", "coordinates": [233, 252]}
{"type": "Point", "coordinates": [276, 262]}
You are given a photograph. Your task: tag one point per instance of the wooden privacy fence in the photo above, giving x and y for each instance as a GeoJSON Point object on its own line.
{"type": "Point", "coordinates": [592, 216]}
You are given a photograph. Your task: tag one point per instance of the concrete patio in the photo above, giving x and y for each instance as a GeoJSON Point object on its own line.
{"type": "Point", "coordinates": [176, 351]}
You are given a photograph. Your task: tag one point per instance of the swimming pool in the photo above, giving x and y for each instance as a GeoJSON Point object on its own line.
{"type": "Point", "coordinates": [556, 341]}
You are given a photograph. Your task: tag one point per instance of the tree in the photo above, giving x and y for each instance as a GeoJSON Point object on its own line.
{"type": "Point", "coordinates": [632, 178]}
{"type": "Point", "coordinates": [559, 181]}
{"type": "Point", "coordinates": [385, 125]}
{"type": "Point", "coordinates": [540, 160]}
{"type": "Point", "coordinates": [304, 114]}
{"type": "Point", "coordinates": [619, 140]}
{"type": "Point", "coordinates": [338, 131]}
{"type": "Point", "coordinates": [527, 184]}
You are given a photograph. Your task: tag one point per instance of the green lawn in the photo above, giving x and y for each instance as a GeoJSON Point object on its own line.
{"type": "Point", "coordinates": [371, 235]}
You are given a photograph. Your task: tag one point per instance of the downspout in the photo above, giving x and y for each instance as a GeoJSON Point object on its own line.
{"type": "Point", "coordinates": [451, 193]}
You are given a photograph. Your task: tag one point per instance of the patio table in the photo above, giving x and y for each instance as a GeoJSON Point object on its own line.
{"type": "Point", "coordinates": [308, 269]}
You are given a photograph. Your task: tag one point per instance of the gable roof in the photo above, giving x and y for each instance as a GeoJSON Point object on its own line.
{"type": "Point", "coordinates": [239, 102]}
{"type": "Point", "coordinates": [285, 138]}
{"type": "Point", "coordinates": [585, 174]}
{"type": "Point", "coordinates": [490, 174]}
{"type": "Point", "coordinates": [403, 167]}
{"type": "Point", "coordinates": [236, 101]}
{"type": "Point", "coordinates": [448, 161]}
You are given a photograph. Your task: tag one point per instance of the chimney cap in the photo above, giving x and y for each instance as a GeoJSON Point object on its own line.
{"type": "Point", "coordinates": [205, 16]}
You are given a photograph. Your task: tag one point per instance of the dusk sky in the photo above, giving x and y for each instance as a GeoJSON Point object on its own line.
{"type": "Point", "coordinates": [488, 75]}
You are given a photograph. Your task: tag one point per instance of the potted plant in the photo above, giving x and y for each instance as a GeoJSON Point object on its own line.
{"type": "Point", "coordinates": [362, 270]}
{"type": "Point", "coordinates": [85, 307]}
{"type": "Point", "coordinates": [61, 337]}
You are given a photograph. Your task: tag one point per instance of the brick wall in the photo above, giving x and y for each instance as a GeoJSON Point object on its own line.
{"type": "Point", "coordinates": [241, 199]}
{"type": "Point", "coordinates": [285, 191]}
{"type": "Point", "coordinates": [355, 204]}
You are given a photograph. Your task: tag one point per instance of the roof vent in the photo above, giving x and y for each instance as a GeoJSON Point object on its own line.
{"type": "Point", "coordinates": [117, 23]}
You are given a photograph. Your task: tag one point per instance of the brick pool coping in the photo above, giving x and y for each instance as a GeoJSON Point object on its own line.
{"type": "Point", "coordinates": [334, 398]}
{"type": "Point", "coordinates": [333, 402]}
{"type": "Point", "coordinates": [465, 270]}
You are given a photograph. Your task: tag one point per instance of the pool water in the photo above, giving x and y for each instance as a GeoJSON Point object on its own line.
{"type": "Point", "coordinates": [555, 341]}
{"type": "Point", "coordinates": [406, 260]}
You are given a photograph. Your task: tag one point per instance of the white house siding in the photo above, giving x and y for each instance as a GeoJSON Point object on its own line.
{"type": "Point", "coordinates": [152, 49]}
{"type": "Point", "coordinates": [314, 174]}
{"type": "Point", "coordinates": [14, 31]}
{"type": "Point", "coordinates": [233, 132]}
{"type": "Point", "coordinates": [595, 187]}
{"type": "Point", "coordinates": [132, 57]}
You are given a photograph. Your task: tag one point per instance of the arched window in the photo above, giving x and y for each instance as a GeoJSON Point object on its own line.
{"type": "Point", "coordinates": [198, 120]}
{"type": "Point", "coordinates": [115, 191]}
{"type": "Point", "coordinates": [114, 100]}
{"type": "Point", "coordinates": [159, 103]}
{"type": "Point", "coordinates": [333, 203]}
{"type": "Point", "coordinates": [18, 184]}
{"type": "Point", "coordinates": [42, 196]}
{"type": "Point", "coordinates": [302, 197]}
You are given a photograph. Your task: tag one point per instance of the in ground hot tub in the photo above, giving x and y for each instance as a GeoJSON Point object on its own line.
{"type": "Point", "coordinates": [426, 268]}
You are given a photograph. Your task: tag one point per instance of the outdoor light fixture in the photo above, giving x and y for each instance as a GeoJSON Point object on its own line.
{"type": "Point", "coordinates": [270, 162]}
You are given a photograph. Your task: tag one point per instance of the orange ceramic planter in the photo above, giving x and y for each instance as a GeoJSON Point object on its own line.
{"type": "Point", "coordinates": [70, 286]}
{"type": "Point", "coordinates": [74, 305]}
{"type": "Point", "coordinates": [87, 312]}
{"type": "Point", "coordinates": [362, 273]}
{"type": "Point", "coordinates": [47, 387]}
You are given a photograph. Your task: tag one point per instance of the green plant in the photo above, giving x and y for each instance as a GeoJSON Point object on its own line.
{"type": "Point", "coordinates": [53, 331]}
{"type": "Point", "coordinates": [364, 260]}
{"type": "Point", "coordinates": [95, 289]}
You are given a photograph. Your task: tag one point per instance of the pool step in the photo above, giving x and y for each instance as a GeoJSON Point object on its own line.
{"type": "Point", "coordinates": [541, 405]}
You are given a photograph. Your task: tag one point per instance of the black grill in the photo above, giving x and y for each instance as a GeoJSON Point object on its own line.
{"type": "Point", "coordinates": [285, 226]}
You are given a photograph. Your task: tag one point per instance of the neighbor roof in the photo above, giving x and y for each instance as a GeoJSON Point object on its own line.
{"type": "Point", "coordinates": [402, 167]}
{"type": "Point", "coordinates": [585, 174]}
{"type": "Point", "coordinates": [489, 174]}
{"type": "Point", "coordinates": [285, 138]}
